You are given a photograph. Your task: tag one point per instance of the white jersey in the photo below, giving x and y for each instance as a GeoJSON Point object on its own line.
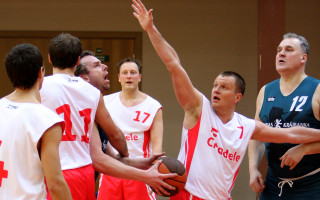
{"type": "Point", "coordinates": [22, 126]}
{"type": "Point", "coordinates": [212, 152]}
{"type": "Point", "coordinates": [76, 101]}
{"type": "Point", "coordinates": [135, 122]}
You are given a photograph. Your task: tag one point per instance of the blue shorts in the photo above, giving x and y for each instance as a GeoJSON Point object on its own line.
{"type": "Point", "coordinates": [307, 188]}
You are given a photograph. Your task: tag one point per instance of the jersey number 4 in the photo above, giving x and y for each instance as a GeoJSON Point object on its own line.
{"type": "Point", "coordinates": [85, 113]}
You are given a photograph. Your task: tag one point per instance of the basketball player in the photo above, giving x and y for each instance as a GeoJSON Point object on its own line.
{"type": "Point", "coordinates": [139, 116]}
{"type": "Point", "coordinates": [30, 133]}
{"type": "Point", "coordinates": [81, 104]}
{"type": "Point", "coordinates": [93, 71]}
{"type": "Point", "coordinates": [295, 102]}
{"type": "Point", "coordinates": [214, 137]}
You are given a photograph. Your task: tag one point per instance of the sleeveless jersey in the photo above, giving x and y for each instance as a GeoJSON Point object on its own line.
{"type": "Point", "coordinates": [212, 152]}
{"type": "Point", "coordinates": [22, 126]}
{"type": "Point", "coordinates": [76, 101]}
{"type": "Point", "coordinates": [135, 122]}
{"type": "Point", "coordinates": [287, 111]}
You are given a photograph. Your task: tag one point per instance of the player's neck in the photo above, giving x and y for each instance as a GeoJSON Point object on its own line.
{"type": "Point", "coordinates": [25, 96]}
{"type": "Point", "coordinates": [225, 116]}
{"type": "Point", "coordinates": [68, 71]}
{"type": "Point", "coordinates": [131, 98]}
{"type": "Point", "coordinates": [289, 83]}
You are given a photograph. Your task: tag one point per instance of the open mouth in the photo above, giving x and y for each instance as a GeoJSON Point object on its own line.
{"type": "Point", "coordinates": [216, 98]}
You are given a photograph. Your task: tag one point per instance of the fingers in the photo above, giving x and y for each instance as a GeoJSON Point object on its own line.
{"type": "Point", "coordinates": [282, 162]}
{"type": "Point", "coordinates": [287, 162]}
{"type": "Point", "coordinates": [157, 155]}
{"type": "Point", "coordinates": [156, 164]}
{"type": "Point", "coordinates": [170, 175]}
{"type": "Point", "coordinates": [257, 184]}
{"type": "Point", "coordinates": [261, 184]}
{"type": "Point", "coordinates": [138, 6]}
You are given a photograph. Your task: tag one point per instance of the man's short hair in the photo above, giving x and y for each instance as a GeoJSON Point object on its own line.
{"type": "Point", "coordinates": [81, 69]}
{"type": "Point", "coordinates": [126, 60]}
{"type": "Point", "coordinates": [240, 83]}
{"type": "Point", "coordinates": [64, 51]}
{"type": "Point", "coordinates": [304, 45]}
{"type": "Point", "coordinates": [22, 64]}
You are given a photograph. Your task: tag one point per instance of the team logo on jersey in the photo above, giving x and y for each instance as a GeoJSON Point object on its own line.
{"type": "Point", "coordinates": [271, 99]}
{"type": "Point", "coordinates": [70, 80]}
{"type": "Point", "coordinates": [223, 152]}
{"type": "Point", "coordinates": [13, 107]}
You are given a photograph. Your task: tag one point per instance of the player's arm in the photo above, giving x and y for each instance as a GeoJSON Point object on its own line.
{"type": "Point", "coordinates": [156, 132]}
{"type": "Point", "coordinates": [293, 135]}
{"type": "Point", "coordinates": [188, 96]}
{"type": "Point", "coordinates": [49, 155]}
{"type": "Point", "coordinates": [105, 164]}
{"type": "Point", "coordinates": [114, 134]}
{"type": "Point", "coordinates": [294, 155]}
{"type": "Point", "coordinates": [256, 150]}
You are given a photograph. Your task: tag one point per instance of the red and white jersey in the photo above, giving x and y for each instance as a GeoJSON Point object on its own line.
{"type": "Point", "coordinates": [135, 122]}
{"type": "Point", "coordinates": [212, 152]}
{"type": "Point", "coordinates": [76, 101]}
{"type": "Point", "coordinates": [22, 126]}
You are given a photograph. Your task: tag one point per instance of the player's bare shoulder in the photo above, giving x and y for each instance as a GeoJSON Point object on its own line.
{"type": "Point", "coordinates": [316, 103]}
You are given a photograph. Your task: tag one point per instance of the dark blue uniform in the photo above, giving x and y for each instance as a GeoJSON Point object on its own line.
{"type": "Point", "coordinates": [104, 142]}
{"type": "Point", "coordinates": [282, 112]}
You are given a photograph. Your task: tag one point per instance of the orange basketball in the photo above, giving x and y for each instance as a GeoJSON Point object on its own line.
{"type": "Point", "coordinates": [172, 165]}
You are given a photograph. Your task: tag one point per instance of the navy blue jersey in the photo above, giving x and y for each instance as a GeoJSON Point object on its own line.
{"type": "Point", "coordinates": [103, 138]}
{"type": "Point", "coordinates": [104, 142]}
{"type": "Point", "coordinates": [287, 111]}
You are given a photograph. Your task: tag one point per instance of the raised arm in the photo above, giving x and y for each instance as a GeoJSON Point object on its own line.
{"type": "Point", "coordinates": [115, 135]}
{"type": "Point", "coordinates": [256, 150]}
{"type": "Point", "coordinates": [107, 165]}
{"type": "Point", "coordinates": [189, 97]}
{"type": "Point", "coordinates": [49, 154]}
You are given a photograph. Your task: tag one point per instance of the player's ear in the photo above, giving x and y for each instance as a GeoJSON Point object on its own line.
{"type": "Point", "coordinates": [78, 61]}
{"type": "Point", "coordinates": [139, 77]}
{"type": "Point", "coordinates": [85, 77]}
{"type": "Point", "coordinates": [304, 58]}
{"type": "Point", "coordinates": [49, 59]}
{"type": "Point", "coordinates": [238, 97]}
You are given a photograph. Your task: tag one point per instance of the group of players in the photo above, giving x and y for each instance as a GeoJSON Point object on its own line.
{"type": "Point", "coordinates": [44, 156]}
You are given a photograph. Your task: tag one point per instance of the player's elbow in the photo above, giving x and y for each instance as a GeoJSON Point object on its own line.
{"type": "Point", "coordinates": [97, 164]}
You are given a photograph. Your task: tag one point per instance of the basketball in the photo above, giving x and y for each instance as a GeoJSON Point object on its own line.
{"type": "Point", "coordinates": [172, 165]}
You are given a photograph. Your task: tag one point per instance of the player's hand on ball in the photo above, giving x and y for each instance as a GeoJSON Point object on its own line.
{"type": "Point", "coordinates": [156, 180]}
{"type": "Point", "coordinates": [172, 165]}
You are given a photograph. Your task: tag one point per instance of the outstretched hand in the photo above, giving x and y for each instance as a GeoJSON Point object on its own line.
{"type": "Point", "coordinates": [142, 14]}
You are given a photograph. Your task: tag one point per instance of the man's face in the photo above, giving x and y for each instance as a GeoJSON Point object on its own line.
{"type": "Point", "coordinates": [290, 56]}
{"type": "Point", "coordinates": [97, 73]}
{"type": "Point", "coordinates": [224, 95]}
{"type": "Point", "coordinates": [129, 76]}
